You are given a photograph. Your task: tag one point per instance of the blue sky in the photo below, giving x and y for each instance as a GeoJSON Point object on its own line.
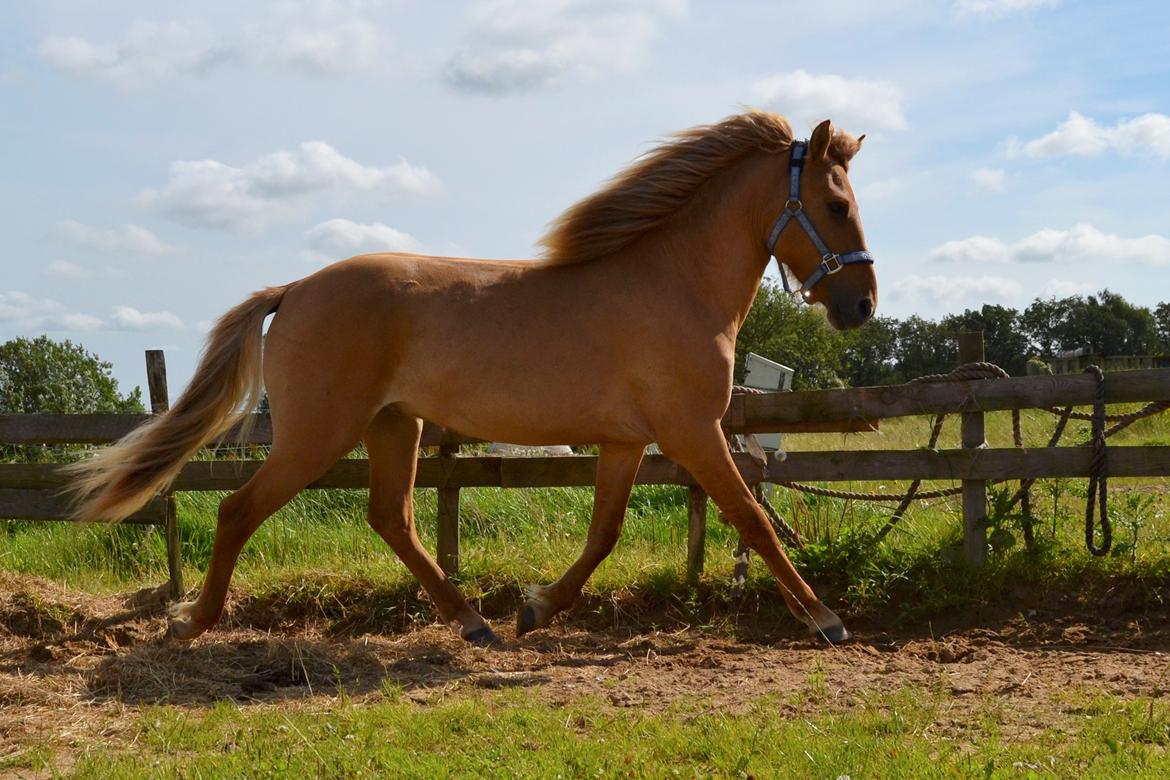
{"type": "Point", "coordinates": [162, 160]}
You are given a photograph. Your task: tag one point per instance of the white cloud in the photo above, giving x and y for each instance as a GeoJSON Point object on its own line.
{"type": "Point", "coordinates": [1082, 136]}
{"type": "Point", "coordinates": [125, 238]}
{"type": "Point", "coordinates": [811, 98]}
{"type": "Point", "coordinates": [977, 249]}
{"type": "Point", "coordinates": [520, 45]}
{"type": "Point", "coordinates": [208, 193]}
{"type": "Point", "coordinates": [149, 52]}
{"type": "Point", "coordinates": [1064, 288]}
{"type": "Point", "coordinates": [132, 319]}
{"type": "Point", "coordinates": [1080, 243]}
{"type": "Point", "coordinates": [998, 9]}
{"type": "Point", "coordinates": [951, 289]}
{"type": "Point", "coordinates": [337, 238]}
{"type": "Point", "coordinates": [323, 37]}
{"type": "Point", "coordinates": [320, 37]}
{"type": "Point", "coordinates": [63, 269]}
{"type": "Point", "coordinates": [990, 179]}
{"type": "Point", "coordinates": [23, 312]}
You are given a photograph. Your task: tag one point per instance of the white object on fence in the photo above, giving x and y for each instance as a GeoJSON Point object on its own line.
{"type": "Point", "coordinates": [764, 374]}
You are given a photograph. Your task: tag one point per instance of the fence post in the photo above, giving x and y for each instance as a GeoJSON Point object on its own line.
{"type": "Point", "coordinates": [696, 531]}
{"type": "Point", "coordinates": [974, 490]}
{"type": "Point", "coordinates": [156, 381]}
{"type": "Point", "coordinates": [448, 515]}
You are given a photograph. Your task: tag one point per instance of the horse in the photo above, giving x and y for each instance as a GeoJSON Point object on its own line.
{"type": "Point", "coordinates": [622, 334]}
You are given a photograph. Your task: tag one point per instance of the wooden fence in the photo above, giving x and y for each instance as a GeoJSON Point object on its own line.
{"type": "Point", "coordinates": [31, 490]}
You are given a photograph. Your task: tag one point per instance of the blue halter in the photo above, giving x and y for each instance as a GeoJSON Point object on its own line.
{"type": "Point", "coordinates": [831, 262]}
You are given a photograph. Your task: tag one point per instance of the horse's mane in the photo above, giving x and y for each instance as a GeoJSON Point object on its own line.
{"type": "Point", "coordinates": [662, 180]}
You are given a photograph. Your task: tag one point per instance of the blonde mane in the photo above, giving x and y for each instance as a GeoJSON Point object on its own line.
{"type": "Point", "coordinates": [658, 184]}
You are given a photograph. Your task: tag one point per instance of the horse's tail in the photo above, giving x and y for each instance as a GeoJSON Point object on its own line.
{"type": "Point", "coordinates": [226, 387]}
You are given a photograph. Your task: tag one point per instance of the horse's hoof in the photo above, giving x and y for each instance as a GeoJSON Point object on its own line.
{"type": "Point", "coordinates": [180, 624]}
{"type": "Point", "coordinates": [484, 637]}
{"type": "Point", "coordinates": [836, 635]}
{"type": "Point", "coordinates": [526, 620]}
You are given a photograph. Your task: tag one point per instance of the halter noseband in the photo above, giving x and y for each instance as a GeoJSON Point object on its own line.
{"type": "Point", "coordinates": [831, 262]}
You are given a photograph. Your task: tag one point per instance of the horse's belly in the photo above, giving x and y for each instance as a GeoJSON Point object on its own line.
{"type": "Point", "coordinates": [560, 413]}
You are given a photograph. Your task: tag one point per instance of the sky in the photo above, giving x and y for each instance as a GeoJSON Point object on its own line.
{"type": "Point", "coordinates": [160, 161]}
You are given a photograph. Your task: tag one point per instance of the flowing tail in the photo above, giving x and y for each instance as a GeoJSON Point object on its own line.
{"type": "Point", "coordinates": [226, 387]}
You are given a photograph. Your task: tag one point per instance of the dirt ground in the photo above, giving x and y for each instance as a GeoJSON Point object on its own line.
{"type": "Point", "coordinates": [76, 667]}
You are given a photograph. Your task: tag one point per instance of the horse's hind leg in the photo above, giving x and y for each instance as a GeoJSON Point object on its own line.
{"type": "Point", "coordinates": [302, 451]}
{"type": "Point", "coordinates": [617, 467]}
{"type": "Point", "coordinates": [392, 442]}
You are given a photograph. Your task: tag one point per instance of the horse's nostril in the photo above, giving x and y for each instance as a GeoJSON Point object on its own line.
{"type": "Point", "coordinates": [865, 308]}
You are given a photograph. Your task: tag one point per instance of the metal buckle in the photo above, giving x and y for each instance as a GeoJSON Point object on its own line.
{"type": "Point", "coordinates": [793, 204]}
{"type": "Point", "coordinates": [834, 266]}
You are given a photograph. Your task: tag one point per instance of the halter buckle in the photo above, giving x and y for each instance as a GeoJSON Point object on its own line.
{"type": "Point", "coordinates": [832, 263]}
{"type": "Point", "coordinates": [793, 205]}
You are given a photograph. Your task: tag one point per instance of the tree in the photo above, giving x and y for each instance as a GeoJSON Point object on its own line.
{"type": "Point", "coordinates": [1104, 323]}
{"type": "Point", "coordinates": [924, 347]}
{"type": "Point", "coordinates": [1162, 323]}
{"type": "Point", "coordinates": [871, 354]}
{"type": "Point", "coordinates": [46, 376]}
{"type": "Point", "coordinates": [42, 375]}
{"type": "Point", "coordinates": [789, 332]}
{"type": "Point", "coordinates": [1003, 339]}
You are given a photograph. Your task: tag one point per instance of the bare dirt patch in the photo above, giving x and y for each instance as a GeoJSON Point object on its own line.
{"type": "Point", "coordinates": [75, 667]}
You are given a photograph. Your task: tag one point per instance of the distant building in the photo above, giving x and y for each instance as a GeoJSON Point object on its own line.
{"type": "Point", "coordinates": [1074, 361]}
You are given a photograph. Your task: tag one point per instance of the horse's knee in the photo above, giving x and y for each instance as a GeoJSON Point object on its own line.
{"type": "Point", "coordinates": [752, 528]}
{"type": "Point", "coordinates": [391, 526]}
{"type": "Point", "coordinates": [236, 515]}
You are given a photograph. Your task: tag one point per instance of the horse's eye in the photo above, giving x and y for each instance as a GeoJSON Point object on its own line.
{"type": "Point", "coordinates": [839, 208]}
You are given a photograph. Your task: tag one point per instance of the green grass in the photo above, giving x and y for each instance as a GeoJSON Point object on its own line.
{"type": "Point", "coordinates": [907, 733]}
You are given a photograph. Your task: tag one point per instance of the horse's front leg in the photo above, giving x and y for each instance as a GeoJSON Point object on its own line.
{"type": "Point", "coordinates": [616, 468]}
{"type": "Point", "coordinates": [703, 452]}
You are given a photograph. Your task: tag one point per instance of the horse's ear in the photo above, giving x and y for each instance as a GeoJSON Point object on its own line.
{"type": "Point", "coordinates": [818, 145]}
{"type": "Point", "coordinates": [860, 140]}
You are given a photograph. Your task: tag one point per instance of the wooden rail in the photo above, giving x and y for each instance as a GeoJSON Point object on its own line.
{"type": "Point", "coordinates": [476, 471]}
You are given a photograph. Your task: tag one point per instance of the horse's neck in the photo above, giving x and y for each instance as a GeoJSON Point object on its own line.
{"type": "Point", "coordinates": [714, 248]}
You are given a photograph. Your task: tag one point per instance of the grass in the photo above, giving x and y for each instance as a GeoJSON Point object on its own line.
{"type": "Point", "coordinates": [905, 733]}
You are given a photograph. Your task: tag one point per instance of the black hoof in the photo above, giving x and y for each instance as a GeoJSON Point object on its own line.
{"type": "Point", "coordinates": [525, 621]}
{"type": "Point", "coordinates": [483, 637]}
{"type": "Point", "coordinates": [835, 635]}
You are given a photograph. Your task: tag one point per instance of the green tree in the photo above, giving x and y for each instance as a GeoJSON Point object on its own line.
{"type": "Point", "coordinates": [1162, 323]}
{"type": "Point", "coordinates": [45, 376]}
{"type": "Point", "coordinates": [1003, 340]}
{"type": "Point", "coordinates": [871, 354]}
{"type": "Point", "coordinates": [1103, 323]}
{"type": "Point", "coordinates": [42, 375]}
{"type": "Point", "coordinates": [924, 347]}
{"type": "Point", "coordinates": [789, 332]}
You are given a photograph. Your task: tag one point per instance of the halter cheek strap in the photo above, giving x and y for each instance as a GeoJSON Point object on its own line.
{"type": "Point", "coordinates": [831, 262]}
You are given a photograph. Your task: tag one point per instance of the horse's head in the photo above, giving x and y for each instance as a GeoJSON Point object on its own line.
{"type": "Point", "coordinates": [818, 234]}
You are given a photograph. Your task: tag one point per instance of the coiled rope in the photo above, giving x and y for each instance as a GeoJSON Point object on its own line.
{"type": "Point", "coordinates": [1098, 470]}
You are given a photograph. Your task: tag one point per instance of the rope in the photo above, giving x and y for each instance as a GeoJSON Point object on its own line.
{"type": "Point", "coordinates": [1098, 473]}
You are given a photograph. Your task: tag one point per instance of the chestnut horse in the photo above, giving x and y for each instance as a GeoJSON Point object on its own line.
{"type": "Point", "coordinates": [622, 335]}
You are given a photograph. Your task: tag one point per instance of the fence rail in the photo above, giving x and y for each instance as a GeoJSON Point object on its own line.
{"type": "Point", "coordinates": [32, 490]}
